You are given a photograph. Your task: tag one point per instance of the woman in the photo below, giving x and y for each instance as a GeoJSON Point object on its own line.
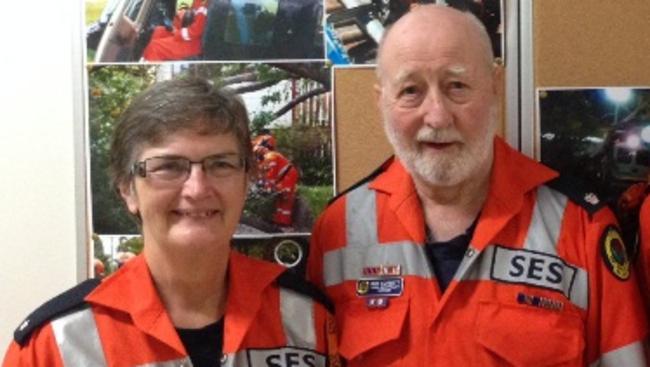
{"type": "Point", "coordinates": [181, 160]}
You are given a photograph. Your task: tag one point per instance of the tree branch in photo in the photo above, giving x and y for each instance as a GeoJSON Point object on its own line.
{"type": "Point", "coordinates": [301, 98]}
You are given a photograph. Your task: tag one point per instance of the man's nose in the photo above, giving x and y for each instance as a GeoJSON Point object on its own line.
{"type": "Point", "coordinates": [436, 110]}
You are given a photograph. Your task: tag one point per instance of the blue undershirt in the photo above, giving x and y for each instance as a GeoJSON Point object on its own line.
{"type": "Point", "coordinates": [445, 257]}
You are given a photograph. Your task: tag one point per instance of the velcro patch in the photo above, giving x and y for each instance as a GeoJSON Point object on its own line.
{"type": "Point", "coordinates": [287, 356]}
{"type": "Point", "coordinates": [614, 253]}
{"type": "Point", "coordinates": [386, 287]}
{"type": "Point", "coordinates": [520, 266]}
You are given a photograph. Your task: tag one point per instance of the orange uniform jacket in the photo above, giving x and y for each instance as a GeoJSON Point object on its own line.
{"type": "Point", "coordinates": [127, 325]}
{"type": "Point", "coordinates": [281, 176]}
{"type": "Point", "coordinates": [532, 290]}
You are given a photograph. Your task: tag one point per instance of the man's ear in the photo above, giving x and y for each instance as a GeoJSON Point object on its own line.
{"type": "Point", "coordinates": [130, 197]}
{"type": "Point", "coordinates": [378, 92]}
{"type": "Point", "coordinates": [498, 85]}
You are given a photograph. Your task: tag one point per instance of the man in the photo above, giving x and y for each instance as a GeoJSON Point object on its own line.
{"type": "Point", "coordinates": [461, 251]}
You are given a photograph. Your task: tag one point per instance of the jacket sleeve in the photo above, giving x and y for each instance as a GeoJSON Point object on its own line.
{"type": "Point", "coordinates": [616, 321]}
{"type": "Point", "coordinates": [40, 351]}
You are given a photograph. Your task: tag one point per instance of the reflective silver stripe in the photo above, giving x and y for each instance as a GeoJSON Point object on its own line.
{"type": "Point", "coordinates": [484, 266]}
{"type": "Point", "coordinates": [297, 319]}
{"type": "Point", "coordinates": [235, 359]}
{"type": "Point", "coordinates": [347, 263]}
{"type": "Point", "coordinates": [78, 340]}
{"type": "Point", "coordinates": [631, 355]}
{"type": "Point", "coordinates": [363, 248]}
{"type": "Point", "coordinates": [185, 34]}
{"type": "Point", "coordinates": [544, 228]}
{"type": "Point", "coordinates": [361, 217]}
{"type": "Point", "coordinates": [183, 362]}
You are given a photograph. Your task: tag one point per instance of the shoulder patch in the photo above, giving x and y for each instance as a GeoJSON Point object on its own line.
{"type": "Point", "coordinates": [291, 281]}
{"type": "Point", "coordinates": [614, 253]}
{"type": "Point", "coordinates": [66, 301]}
{"type": "Point", "coordinates": [578, 192]}
{"type": "Point", "coordinates": [368, 178]}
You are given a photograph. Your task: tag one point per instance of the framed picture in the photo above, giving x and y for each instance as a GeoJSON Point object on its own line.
{"type": "Point", "coordinates": [601, 136]}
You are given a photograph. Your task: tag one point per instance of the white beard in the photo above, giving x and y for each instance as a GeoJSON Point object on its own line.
{"type": "Point", "coordinates": [450, 168]}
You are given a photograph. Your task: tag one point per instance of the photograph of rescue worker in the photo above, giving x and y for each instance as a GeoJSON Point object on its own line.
{"type": "Point", "coordinates": [203, 30]}
{"type": "Point", "coordinates": [181, 39]}
{"type": "Point", "coordinates": [461, 251]}
{"type": "Point", "coordinates": [276, 175]}
{"type": "Point", "coordinates": [354, 29]}
{"type": "Point", "coordinates": [181, 160]}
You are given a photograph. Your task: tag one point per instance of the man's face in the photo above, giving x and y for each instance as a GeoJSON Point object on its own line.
{"type": "Point", "coordinates": [438, 98]}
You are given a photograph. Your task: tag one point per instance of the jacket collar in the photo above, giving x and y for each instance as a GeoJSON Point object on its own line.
{"type": "Point", "coordinates": [513, 175]}
{"type": "Point", "coordinates": [247, 278]}
{"type": "Point", "coordinates": [131, 290]}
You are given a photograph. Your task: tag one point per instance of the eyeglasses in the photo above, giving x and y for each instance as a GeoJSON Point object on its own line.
{"type": "Point", "coordinates": [176, 170]}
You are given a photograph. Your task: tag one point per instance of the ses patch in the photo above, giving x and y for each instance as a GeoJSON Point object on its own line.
{"type": "Point", "coordinates": [534, 268]}
{"type": "Point", "coordinates": [285, 357]}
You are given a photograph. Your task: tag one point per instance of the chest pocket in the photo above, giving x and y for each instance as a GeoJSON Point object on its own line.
{"type": "Point", "coordinates": [520, 335]}
{"type": "Point", "coordinates": [363, 329]}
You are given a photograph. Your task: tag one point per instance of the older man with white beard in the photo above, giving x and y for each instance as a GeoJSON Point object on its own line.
{"type": "Point", "coordinates": [461, 251]}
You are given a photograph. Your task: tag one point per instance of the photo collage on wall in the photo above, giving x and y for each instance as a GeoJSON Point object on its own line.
{"type": "Point", "coordinates": [600, 136]}
{"type": "Point", "coordinates": [278, 56]}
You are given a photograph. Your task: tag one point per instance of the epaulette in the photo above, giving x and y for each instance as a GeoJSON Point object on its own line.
{"type": "Point", "coordinates": [578, 191]}
{"type": "Point", "coordinates": [364, 180]}
{"type": "Point", "coordinates": [290, 280]}
{"type": "Point", "coordinates": [64, 302]}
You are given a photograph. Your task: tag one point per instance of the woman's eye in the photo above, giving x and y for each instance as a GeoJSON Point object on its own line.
{"type": "Point", "coordinates": [174, 166]}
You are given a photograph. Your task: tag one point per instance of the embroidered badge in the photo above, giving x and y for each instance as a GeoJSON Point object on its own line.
{"type": "Point", "coordinates": [377, 302]}
{"type": "Point", "coordinates": [382, 270]}
{"type": "Point", "coordinates": [541, 302]}
{"type": "Point", "coordinates": [381, 287]}
{"type": "Point", "coordinates": [614, 253]}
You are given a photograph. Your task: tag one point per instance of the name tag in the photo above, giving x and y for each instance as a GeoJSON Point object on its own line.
{"type": "Point", "coordinates": [387, 287]}
{"type": "Point", "coordinates": [285, 357]}
{"type": "Point", "coordinates": [532, 268]}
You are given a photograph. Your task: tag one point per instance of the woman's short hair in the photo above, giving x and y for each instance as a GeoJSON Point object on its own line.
{"type": "Point", "coordinates": [171, 106]}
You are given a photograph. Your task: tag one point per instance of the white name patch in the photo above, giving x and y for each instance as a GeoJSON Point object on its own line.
{"type": "Point", "coordinates": [532, 268]}
{"type": "Point", "coordinates": [285, 357]}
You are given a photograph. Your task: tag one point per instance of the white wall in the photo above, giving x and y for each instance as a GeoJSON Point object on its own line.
{"type": "Point", "coordinates": [38, 225]}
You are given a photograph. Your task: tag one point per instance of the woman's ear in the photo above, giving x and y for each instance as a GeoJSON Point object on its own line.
{"type": "Point", "coordinates": [130, 197]}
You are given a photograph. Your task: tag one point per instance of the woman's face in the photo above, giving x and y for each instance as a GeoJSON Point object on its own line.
{"type": "Point", "coordinates": [200, 212]}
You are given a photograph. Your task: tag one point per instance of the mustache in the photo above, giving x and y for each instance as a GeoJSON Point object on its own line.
{"type": "Point", "coordinates": [428, 134]}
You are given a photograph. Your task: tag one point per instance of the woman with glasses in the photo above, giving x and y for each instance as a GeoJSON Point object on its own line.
{"type": "Point", "coordinates": [181, 159]}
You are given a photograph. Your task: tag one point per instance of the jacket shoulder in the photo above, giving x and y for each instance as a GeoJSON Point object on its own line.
{"type": "Point", "coordinates": [291, 281]}
{"type": "Point", "coordinates": [69, 300]}
{"type": "Point", "coordinates": [577, 191]}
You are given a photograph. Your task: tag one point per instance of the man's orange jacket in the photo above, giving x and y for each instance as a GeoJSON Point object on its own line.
{"type": "Point", "coordinates": [545, 281]}
{"type": "Point", "coordinates": [124, 323]}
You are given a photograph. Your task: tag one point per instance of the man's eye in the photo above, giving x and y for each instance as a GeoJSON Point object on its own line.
{"type": "Point", "coordinates": [409, 90]}
{"type": "Point", "coordinates": [457, 85]}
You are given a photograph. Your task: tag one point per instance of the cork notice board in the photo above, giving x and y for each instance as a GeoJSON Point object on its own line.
{"type": "Point", "coordinates": [591, 43]}
{"type": "Point", "coordinates": [360, 143]}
